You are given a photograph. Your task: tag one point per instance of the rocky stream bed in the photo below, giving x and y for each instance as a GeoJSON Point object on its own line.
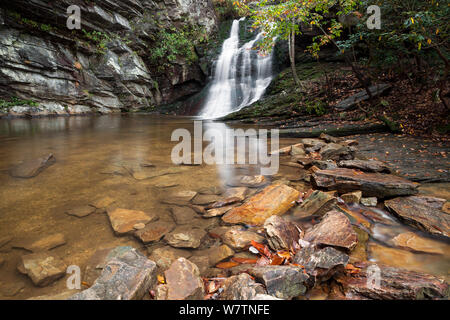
{"type": "Point", "coordinates": [320, 229]}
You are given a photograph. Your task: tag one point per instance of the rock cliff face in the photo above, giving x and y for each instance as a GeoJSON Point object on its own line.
{"type": "Point", "coordinates": [108, 65]}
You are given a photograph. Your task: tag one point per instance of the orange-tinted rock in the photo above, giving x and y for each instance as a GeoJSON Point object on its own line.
{"type": "Point", "coordinates": [273, 200]}
{"type": "Point", "coordinates": [282, 234]}
{"type": "Point", "coordinates": [123, 220]}
{"type": "Point", "coordinates": [183, 281]}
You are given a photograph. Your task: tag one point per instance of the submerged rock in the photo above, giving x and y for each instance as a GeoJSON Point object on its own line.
{"type": "Point", "coordinates": [165, 256]}
{"type": "Point", "coordinates": [282, 234]}
{"type": "Point", "coordinates": [123, 220]}
{"type": "Point", "coordinates": [183, 281]}
{"type": "Point", "coordinates": [82, 211]}
{"type": "Point", "coordinates": [335, 230]}
{"type": "Point", "coordinates": [185, 237]}
{"type": "Point", "coordinates": [31, 168]}
{"type": "Point", "coordinates": [239, 238]}
{"type": "Point", "coordinates": [318, 203]}
{"type": "Point", "coordinates": [42, 268]}
{"type": "Point", "coordinates": [273, 200]}
{"type": "Point", "coordinates": [128, 276]}
{"type": "Point", "coordinates": [154, 231]}
{"type": "Point", "coordinates": [217, 211]}
{"type": "Point", "coordinates": [183, 215]}
{"type": "Point", "coordinates": [284, 282]}
{"type": "Point", "coordinates": [248, 181]}
{"type": "Point", "coordinates": [394, 284]}
{"type": "Point", "coordinates": [371, 184]}
{"type": "Point", "coordinates": [241, 287]}
{"type": "Point", "coordinates": [204, 199]}
{"type": "Point", "coordinates": [180, 197]}
{"type": "Point", "coordinates": [45, 243]}
{"type": "Point", "coordinates": [421, 212]}
{"type": "Point", "coordinates": [410, 240]}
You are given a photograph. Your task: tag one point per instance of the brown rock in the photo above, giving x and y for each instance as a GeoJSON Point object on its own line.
{"type": "Point", "coordinates": [282, 234]}
{"type": "Point", "coordinates": [185, 237]}
{"type": "Point", "coordinates": [180, 197]}
{"type": "Point", "coordinates": [204, 199]}
{"type": "Point", "coordinates": [421, 212]}
{"type": "Point", "coordinates": [239, 192]}
{"type": "Point", "coordinates": [123, 220]}
{"type": "Point", "coordinates": [371, 184]}
{"type": "Point", "coordinates": [42, 268]}
{"type": "Point", "coordinates": [352, 197]}
{"type": "Point", "coordinates": [102, 203]}
{"type": "Point", "coordinates": [45, 243]}
{"type": "Point", "coordinates": [308, 142]}
{"type": "Point", "coordinates": [298, 150]}
{"type": "Point", "coordinates": [218, 254]}
{"type": "Point", "coordinates": [335, 230]}
{"type": "Point", "coordinates": [165, 256]}
{"type": "Point", "coordinates": [217, 211]}
{"type": "Point", "coordinates": [183, 215]}
{"type": "Point", "coordinates": [318, 203]}
{"type": "Point", "coordinates": [239, 238]}
{"type": "Point", "coordinates": [410, 240]}
{"type": "Point", "coordinates": [183, 281]}
{"type": "Point", "coordinates": [273, 200]}
{"type": "Point", "coordinates": [334, 151]}
{"type": "Point", "coordinates": [248, 181]}
{"type": "Point", "coordinates": [394, 284]}
{"type": "Point", "coordinates": [154, 231]}
{"type": "Point", "coordinates": [327, 138]}
{"type": "Point", "coordinates": [241, 287]}
{"type": "Point", "coordinates": [31, 168]}
{"type": "Point", "coordinates": [81, 211]}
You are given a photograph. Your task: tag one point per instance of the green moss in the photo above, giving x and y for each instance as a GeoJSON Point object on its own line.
{"type": "Point", "coordinates": [5, 105]}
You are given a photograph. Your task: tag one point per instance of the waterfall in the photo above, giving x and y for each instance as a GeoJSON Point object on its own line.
{"type": "Point", "coordinates": [240, 78]}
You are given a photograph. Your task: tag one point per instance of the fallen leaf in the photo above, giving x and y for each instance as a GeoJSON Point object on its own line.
{"type": "Point", "coordinates": [244, 260]}
{"type": "Point", "coordinates": [227, 265]}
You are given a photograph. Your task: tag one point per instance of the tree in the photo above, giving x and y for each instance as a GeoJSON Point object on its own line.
{"type": "Point", "coordinates": [283, 20]}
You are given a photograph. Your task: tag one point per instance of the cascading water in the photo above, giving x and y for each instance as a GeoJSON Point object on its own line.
{"type": "Point", "coordinates": [240, 78]}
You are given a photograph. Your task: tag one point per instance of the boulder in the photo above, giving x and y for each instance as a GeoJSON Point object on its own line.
{"type": "Point", "coordinates": [282, 234]}
{"type": "Point", "coordinates": [334, 230]}
{"type": "Point", "coordinates": [31, 168]}
{"type": "Point", "coordinates": [394, 284]}
{"type": "Point", "coordinates": [183, 281]}
{"type": "Point", "coordinates": [365, 165]}
{"type": "Point", "coordinates": [371, 184]}
{"type": "Point", "coordinates": [154, 231]}
{"type": "Point", "coordinates": [241, 287]}
{"type": "Point", "coordinates": [165, 256]}
{"type": "Point", "coordinates": [284, 282]}
{"type": "Point", "coordinates": [123, 220]}
{"type": "Point", "coordinates": [185, 237]}
{"type": "Point", "coordinates": [42, 268]}
{"type": "Point", "coordinates": [318, 203]}
{"type": "Point", "coordinates": [421, 212]}
{"type": "Point", "coordinates": [129, 276]}
{"type": "Point", "coordinates": [275, 199]}
{"type": "Point", "coordinates": [321, 263]}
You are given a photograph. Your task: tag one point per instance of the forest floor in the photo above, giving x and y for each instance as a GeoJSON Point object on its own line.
{"type": "Point", "coordinates": [406, 108]}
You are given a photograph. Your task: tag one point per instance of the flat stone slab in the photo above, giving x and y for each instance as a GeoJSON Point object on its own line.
{"type": "Point", "coordinates": [275, 199]}
{"type": "Point", "coordinates": [371, 184]}
{"type": "Point", "coordinates": [81, 211]}
{"type": "Point", "coordinates": [318, 203]}
{"type": "Point", "coordinates": [183, 215]}
{"type": "Point", "coordinates": [248, 181]}
{"type": "Point", "coordinates": [185, 237]}
{"type": "Point", "coordinates": [31, 168]}
{"type": "Point", "coordinates": [394, 284]}
{"type": "Point", "coordinates": [239, 238]}
{"type": "Point", "coordinates": [410, 240]}
{"type": "Point", "coordinates": [179, 197]}
{"type": "Point", "coordinates": [128, 276]}
{"type": "Point", "coordinates": [365, 165]}
{"type": "Point", "coordinates": [123, 220]}
{"type": "Point", "coordinates": [183, 281]}
{"type": "Point", "coordinates": [421, 212]}
{"type": "Point", "coordinates": [44, 244]}
{"type": "Point", "coordinates": [165, 256]}
{"type": "Point", "coordinates": [42, 268]}
{"type": "Point", "coordinates": [154, 231]}
{"type": "Point", "coordinates": [334, 230]}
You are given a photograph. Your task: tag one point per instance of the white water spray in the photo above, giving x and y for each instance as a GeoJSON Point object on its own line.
{"type": "Point", "coordinates": [240, 78]}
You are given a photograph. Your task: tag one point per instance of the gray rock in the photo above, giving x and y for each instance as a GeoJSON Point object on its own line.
{"type": "Point", "coordinates": [284, 282]}
{"type": "Point", "coordinates": [185, 237]}
{"type": "Point", "coordinates": [282, 234]}
{"type": "Point", "coordinates": [351, 102]}
{"type": "Point", "coordinates": [129, 276]}
{"type": "Point", "coordinates": [365, 165]}
{"type": "Point", "coordinates": [42, 268]}
{"type": "Point", "coordinates": [241, 287]}
{"type": "Point", "coordinates": [165, 256]}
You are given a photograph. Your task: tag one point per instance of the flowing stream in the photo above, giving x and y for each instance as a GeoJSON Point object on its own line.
{"type": "Point", "coordinates": [240, 78]}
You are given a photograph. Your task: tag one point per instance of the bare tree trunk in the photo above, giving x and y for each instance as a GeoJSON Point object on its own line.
{"type": "Point", "coordinates": [443, 81]}
{"type": "Point", "coordinates": [292, 59]}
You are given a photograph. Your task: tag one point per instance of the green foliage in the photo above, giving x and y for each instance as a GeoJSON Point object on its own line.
{"type": "Point", "coordinates": [5, 105]}
{"type": "Point", "coordinates": [31, 23]}
{"type": "Point", "coordinates": [172, 44]}
{"type": "Point", "coordinates": [316, 107]}
{"type": "Point", "coordinates": [409, 30]}
{"type": "Point", "coordinates": [100, 39]}
{"type": "Point", "coordinates": [225, 9]}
